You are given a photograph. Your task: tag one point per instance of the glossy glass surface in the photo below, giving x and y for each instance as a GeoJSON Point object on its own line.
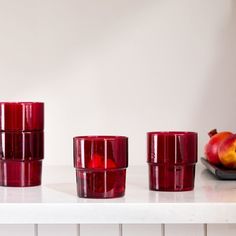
{"type": "Point", "coordinates": [171, 177]}
{"type": "Point", "coordinates": [100, 184]}
{"type": "Point", "coordinates": [172, 147]}
{"type": "Point", "coordinates": [22, 145]}
{"type": "Point", "coordinates": [171, 157]}
{"type": "Point", "coordinates": [107, 151]}
{"type": "Point", "coordinates": [21, 116]}
{"type": "Point", "coordinates": [20, 173]}
{"type": "Point", "coordinates": [100, 163]}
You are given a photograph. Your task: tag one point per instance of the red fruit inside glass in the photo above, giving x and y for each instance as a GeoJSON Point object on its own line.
{"type": "Point", "coordinates": [211, 148]}
{"type": "Point", "coordinates": [98, 162]}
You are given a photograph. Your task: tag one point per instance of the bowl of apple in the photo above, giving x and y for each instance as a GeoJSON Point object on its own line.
{"type": "Point", "coordinates": [220, 154]}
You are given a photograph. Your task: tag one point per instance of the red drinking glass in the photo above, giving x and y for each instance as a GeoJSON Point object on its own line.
{"type": "Point", "coordinates": [21, 143]}
{"type": "Point", "coordinates": [100, 163]}
{"type": "Point", "coordinates": [171, 158]}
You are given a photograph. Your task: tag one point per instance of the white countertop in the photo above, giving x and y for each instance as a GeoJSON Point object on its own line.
{"type": "Point", "coordinates": [212, 201]}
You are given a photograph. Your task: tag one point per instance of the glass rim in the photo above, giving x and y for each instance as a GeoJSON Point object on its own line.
{"type": "Point", "coordinates": [100, 137]}
{"type": "Point", "coordinates": [171, 133]}
{"type": "Point", "coordinates": [20, 103]}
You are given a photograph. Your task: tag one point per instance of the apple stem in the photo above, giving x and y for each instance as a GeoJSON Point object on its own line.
{"type": "Point", "coordinates": [212, 132]}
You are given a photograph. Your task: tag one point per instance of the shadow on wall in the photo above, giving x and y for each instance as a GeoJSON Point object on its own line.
{"type": "Point", "coordinates": [218, 109]}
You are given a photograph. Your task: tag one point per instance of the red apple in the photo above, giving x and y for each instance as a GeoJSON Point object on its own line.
{"type": "Point", "coordinates": [227, 152]}
{"type": "Point", "coordinates": [211, 148]}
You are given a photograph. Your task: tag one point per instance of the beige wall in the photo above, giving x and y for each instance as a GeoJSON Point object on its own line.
{"type": "Point", "coordinates": [120, 67]}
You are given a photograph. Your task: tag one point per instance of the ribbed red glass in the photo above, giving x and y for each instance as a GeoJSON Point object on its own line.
{"type": "Point", "coordinates": [21, 143]}
{"type": "Point", "coordinates": [21, 116]}
{"type": "Point", "coordinates": [20, 173]}
{"type": "Point", "coordinates": [171, 157]}
{"type": "Point", "coordinates": [100, 163]}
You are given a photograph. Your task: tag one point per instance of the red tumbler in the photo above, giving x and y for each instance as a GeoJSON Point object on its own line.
{"type": "Point", "coordinates": [21, 143]}
{"type": "Point", "coordinates": [100, 163]}
{"type": "Point", "coordinates": [171, 157]}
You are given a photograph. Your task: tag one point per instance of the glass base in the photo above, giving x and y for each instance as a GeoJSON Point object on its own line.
{"type": "Point", "coordinates": [100, 183]}
{"type": "Point", "coordinates": [20, 173]}
{"type": "Point", "coordinates": [171, 177]}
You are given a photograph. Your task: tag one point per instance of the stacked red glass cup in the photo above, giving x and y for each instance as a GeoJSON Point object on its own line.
{"type": "Point", "coordinates": [100, 163]}
{"type": "Point", "coordinates": [21, 143]}
{"type": "Point", "coordinates": [171, 158]}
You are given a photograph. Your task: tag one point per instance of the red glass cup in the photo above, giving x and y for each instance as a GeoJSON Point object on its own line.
{"type": "Point", "coordinates": [21, 143]}
{"type": "Point", "coordinates": [171, 157]}
{"type": "Point", "coordinates": [100, 163]}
